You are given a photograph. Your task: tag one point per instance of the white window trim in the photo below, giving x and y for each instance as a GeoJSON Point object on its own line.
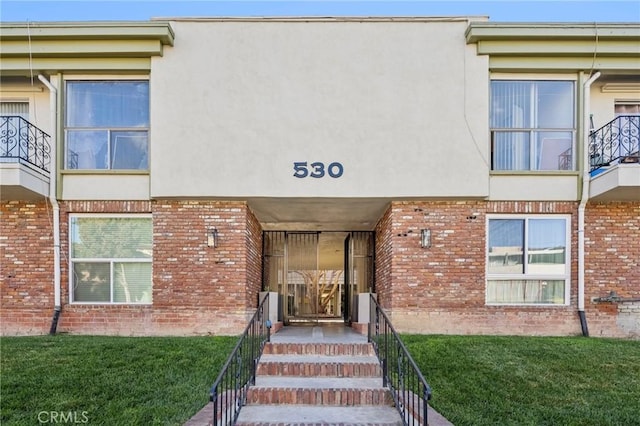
{"type": "Point", "coordinates": [109, 77]}
{"type": "Point", "coordinates": [574, 130]}
{"type": "Point", "coordinates": [110, 260]}
{"type": "Point", "coordinates": [567, 274]}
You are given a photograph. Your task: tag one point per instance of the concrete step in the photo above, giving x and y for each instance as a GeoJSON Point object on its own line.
{"type": "Point", "coordinates": [319, 348]}
{"type": "Point", "coordinates": [303, 415]}
{"type": "Point", "coordinates": [319, 365]}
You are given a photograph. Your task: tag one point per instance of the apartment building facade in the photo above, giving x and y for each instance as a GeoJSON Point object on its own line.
{"type": "Point", "coordinates": [477, 177]}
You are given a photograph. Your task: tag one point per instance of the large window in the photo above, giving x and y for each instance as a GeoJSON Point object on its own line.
{"type": "Point", "coordinates": [528, 260]}
{"type": "Point", "coordinates": [532, 125]}
{"type": "Point", "coordinates": [106, 126]}
{"type": "Point", "coordinates": [110, 258]}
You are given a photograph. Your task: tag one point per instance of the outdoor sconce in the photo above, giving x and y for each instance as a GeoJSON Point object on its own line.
{"type": "Point", "coordinates": [425, 238]}
{"type": "Point", "coordinates": [212, 238]}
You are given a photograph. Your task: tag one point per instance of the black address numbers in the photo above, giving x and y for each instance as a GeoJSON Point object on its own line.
{"type": "Point", "coordinates": [317, 170]}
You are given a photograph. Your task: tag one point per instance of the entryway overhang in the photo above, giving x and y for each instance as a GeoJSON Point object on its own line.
{"type": "Point", "coordinates": [318, 214]}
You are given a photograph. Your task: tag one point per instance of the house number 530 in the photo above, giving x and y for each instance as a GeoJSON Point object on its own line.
{"type": "Point", "coordinates": [317, 169]}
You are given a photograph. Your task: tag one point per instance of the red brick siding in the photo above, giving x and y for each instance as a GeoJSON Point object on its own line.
{"type": "Point", "coordinates": [253, 258]}
{"type": "Point", "coordinates": [441, 289]}
{"type": "Point", "coordinates": [196, 289]}
{"type": "Point", "coordinates": [383, 259]}
{"type": "Point", "coordinates": [202, 290]}
{"type": "Point", "coordinates": [26, 267]}
{"type": "Point", "coordinates": [612, 257]}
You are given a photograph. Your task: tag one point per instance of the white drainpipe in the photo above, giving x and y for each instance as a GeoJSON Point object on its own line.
{"type": "Point", "coordinates": [53, 176]}
{"type": "Point", "coordinates": [586, 178]}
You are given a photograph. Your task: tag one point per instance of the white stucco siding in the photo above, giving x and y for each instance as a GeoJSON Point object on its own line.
{"type": "Point", "coordinates": [105, 187]}
{"type": "Point", "coordinates": [36, 95]}
{"type": "Point", "coordinates": [402, 106]}
{"type": "Point", "coordinates": [603, 103]}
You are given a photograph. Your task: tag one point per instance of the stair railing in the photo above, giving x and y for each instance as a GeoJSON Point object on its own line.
{"type": "Point", "coordinates": [229, 391]}
{"type": "Point", "coordinates": [400, 373]}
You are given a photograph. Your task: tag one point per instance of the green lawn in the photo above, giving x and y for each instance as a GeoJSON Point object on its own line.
{"type": "Point", "coordinates": [476, 380]}
{"type": "Point", "coordinates": [486, 380]}
{"type": "Point", "coordinates": [108, 380]}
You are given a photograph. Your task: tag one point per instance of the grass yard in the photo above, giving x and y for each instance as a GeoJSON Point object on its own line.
{"type": "Point", "coordinates": [107, 380]}
{"type": "Point", "coordinates": [482, 380]}
{"type": "Point", "coordinates": [476, 380]}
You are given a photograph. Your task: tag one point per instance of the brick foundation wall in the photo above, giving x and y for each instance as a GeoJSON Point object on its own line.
{"type": "Point", "coordinates": [26, 267]}
{"type": "Point", "coordinates": [253, 261]}
{"type": "Point", "coordinates": [196, 289]}
{"type": "Point", "coordinates": [612, 257]}
{"type": "Point", "coordinates": [441, 289]}
{"type": "Point", "coordinates": [384, 257]}
{"type": "Point", "coordinates": [203, 290]}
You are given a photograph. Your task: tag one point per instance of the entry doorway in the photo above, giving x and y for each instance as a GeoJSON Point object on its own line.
{"type": "Point", "coordinates": [317, 274]}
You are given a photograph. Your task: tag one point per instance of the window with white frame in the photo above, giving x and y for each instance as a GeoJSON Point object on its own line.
{"type": "Point", "coordinates": [107, 125]}
{"type": "Point", "coordinates": [532, 125]}
{"type": "Point", "coordinates": [528, 259]}
{"type": "Point", "coordinates": [110, 258]}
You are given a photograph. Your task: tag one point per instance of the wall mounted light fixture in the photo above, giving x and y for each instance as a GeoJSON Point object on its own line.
{"type": "Point", "coordinates": [212, 237]}
{"type": "Point", "coordinates": [425, 238]}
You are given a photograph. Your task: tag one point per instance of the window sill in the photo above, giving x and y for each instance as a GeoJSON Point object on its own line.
{"type": "Point", "coordinates": [102, 304]}
{"type": "Point", "coordinates": [534, 173]}
{"type": "Point", "coordinates": [103, 172]}
{"type": "Point", "coordinates": [527, 305]}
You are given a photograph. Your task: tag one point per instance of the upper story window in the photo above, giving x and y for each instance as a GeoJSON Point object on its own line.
{"type": "Point", "coordinates": [532, 125]}
{"type": "Point", "coordinates": [528, 260]}
{"type": "Point", "coordinates": [107, 125]}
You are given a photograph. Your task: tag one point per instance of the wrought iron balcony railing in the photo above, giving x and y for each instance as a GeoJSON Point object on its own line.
{"type": "Point", "coordinates": [618, 140]}
{"type": "Point", "coordinates": [21, 141]}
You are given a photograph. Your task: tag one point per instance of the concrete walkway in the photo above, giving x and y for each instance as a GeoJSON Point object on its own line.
{"type": "Point", "coordinates": [321, 334]}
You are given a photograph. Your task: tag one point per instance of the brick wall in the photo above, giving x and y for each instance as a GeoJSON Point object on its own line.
{"type": "Point", "coordinates": [203, 290]}
{"type": "Point", "coordinates": [612, 257]}
{"type": "Point", "coordinates": [383, 259]}
{"type": "Point", "coordinates": [253, 258]}
{"type": "Point", "coordinates": [196, 289]}
{"type": "Point", "coordinates": [26, 267]}
{"type": "Point", "coordinates": [441, 289]}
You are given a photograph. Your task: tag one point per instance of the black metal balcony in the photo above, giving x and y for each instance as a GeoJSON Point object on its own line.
{"type": "Point", "coordinates": [22, 142]}
{"type": "Point", "coordinates": [616, 142]}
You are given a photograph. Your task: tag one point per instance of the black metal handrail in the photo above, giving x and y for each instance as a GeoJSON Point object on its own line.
{"type": "Point", "coordinates": [400, 373]}
{"type": "Point", "coordinates": [21, 140]}
{"type": "Point", "coordinates": [229, 391]}
{"type": "Point", "coordinates": [618, 139]}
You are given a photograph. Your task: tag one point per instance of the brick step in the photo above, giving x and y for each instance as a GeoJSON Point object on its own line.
{"type": "Point", "coordinates": [345, 397]}
{"type": "Point", "coordinates": [319, 348]}
{"type": "Point", "coordinates": [319, 365]}
{"type": "Point", "coordinates": [303, 415]}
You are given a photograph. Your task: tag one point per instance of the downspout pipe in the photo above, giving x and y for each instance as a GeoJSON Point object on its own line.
{"type": "Point", "coordinates": [53, 187]}
{"type": "Point", "coordinates": [586, 179]}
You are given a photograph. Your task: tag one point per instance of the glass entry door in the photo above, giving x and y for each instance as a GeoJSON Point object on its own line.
{"type": "Point", "coordinates": [302, 277]}
{"type": "Point", "coordinates": [310, 272]}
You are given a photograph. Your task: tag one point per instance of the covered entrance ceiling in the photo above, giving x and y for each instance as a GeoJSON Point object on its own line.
{"type": "Point", "coordinates": [318, 214]}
